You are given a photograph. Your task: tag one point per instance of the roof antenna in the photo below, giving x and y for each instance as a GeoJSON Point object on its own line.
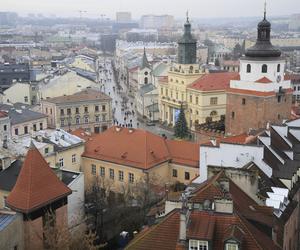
{"type": "Point", "coordinates": [265, 9]}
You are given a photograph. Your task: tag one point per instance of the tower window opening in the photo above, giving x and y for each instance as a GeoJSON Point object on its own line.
{"type": "Point", "coordinates": [248, 68]}
{"type": "Point", "coordinates": [278, 68]}
{"type": "Point", "coordinates": [264, 69]}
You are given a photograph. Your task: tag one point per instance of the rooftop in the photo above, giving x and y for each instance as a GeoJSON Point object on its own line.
{"type": "Point", "coordinates": [85, 95]}
{"type": "Point", "coordinates": [214, 81]}
{"type": "Point", "coordinates": [138, 148]}
{"type": "Point", "coordinates": [36, 186]}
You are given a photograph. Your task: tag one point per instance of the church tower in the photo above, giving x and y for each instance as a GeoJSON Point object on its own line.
{"type": "Point", "coordinates": [261, 95]}
{"type": "Point", "coordinates": [186, 70]}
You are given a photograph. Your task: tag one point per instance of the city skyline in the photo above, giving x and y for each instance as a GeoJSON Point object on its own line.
{"type": "Point", "coordinates": [199, 9]}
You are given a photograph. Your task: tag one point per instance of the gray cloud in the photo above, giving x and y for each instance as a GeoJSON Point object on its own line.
{"type": "Point", "coordinates": [197, 8]}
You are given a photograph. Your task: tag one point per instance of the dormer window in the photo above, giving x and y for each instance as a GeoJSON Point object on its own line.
{"type": "Point", "coordinates": [198, 245]}
{"type": "Point", "coordinates": [231, 246]}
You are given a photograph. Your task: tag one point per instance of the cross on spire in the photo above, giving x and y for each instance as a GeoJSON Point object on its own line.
{"type": "Point", "coordinates": [265, 9]}
{"type": "Point", "coordinates": [187, 16]}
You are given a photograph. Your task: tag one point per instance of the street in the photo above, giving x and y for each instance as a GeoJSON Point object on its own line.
{"type": "Point", "coordinates": [123, 105]}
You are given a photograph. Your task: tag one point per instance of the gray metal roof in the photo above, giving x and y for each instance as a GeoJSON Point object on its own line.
{"type": "Point", "coordinates": [146, 89]}
{"type": "Point", "coordinates": [21, 114]}
{"type": "Point", "coordinates": [6, 219]}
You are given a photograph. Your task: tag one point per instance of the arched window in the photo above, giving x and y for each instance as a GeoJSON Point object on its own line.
{"type": "Point", "coordinates": [213, 113]}
{"type": "Point", "coordinates": [146, 80]}
{"type": "Point", "coordinates": [264, 68]}
{"type": "Point", "coordinates": [248, 68]}
{"type": "Point", "coordinates": [278, 67]}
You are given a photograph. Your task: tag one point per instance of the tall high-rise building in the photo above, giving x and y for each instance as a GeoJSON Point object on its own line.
{"type": "Point", "coordinates": [261, 95]}
{"type": "Point", "coordinates": [163, 22]}
{"type": "Point", "coordinates": [123, 17]}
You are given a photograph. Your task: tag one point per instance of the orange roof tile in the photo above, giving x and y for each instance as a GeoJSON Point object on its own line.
{"type": "Point", "coordinates": [255, 93]}
{"type": "Point", "coordinates": [139, 148]}
{"type": "Point", "coordinates": [214, 81]}
{"type": "Point", "coordinates": [81, 133]}
{"type": "Point", "coordinates": [163, 236]}
{"type": "Point", "coordinates": [36, 186]}
{"type": "Point", "coordinates": [3, 114]}
{"type": "Point", "coordinates": [183, 152]}
{"type": "Point", "coordinates": [263, 80]}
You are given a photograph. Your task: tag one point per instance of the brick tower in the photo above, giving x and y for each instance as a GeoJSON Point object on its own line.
{"type": "Point", "coordinates": [261, 95]}
{"type": "Point", "coordinates": [37, 192]}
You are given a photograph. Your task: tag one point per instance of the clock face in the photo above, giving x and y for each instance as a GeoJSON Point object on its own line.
{"type": "Point", "coordinates": [278, 78]}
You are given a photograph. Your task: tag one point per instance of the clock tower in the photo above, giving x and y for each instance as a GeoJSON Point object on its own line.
{"type": "Point", "coordinates": [261, 95]}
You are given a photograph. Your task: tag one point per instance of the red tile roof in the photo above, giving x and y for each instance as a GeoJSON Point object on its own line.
{"type": "Point", "coordinates": [163, 236]}
{"type": "Point", "coordinates": [139, 148]}
{"type": "Point", "coordinates": [263, 80]}
{"type": "Point", "coordinates": [81, 133]}
{"type": "Point", "coordinates": [3, 114]}
{"type": "Point", "coordinates": [214, 81]}
{"type": "Point", "coordinates": [253, 92]}
{"type": "Point", "coordinates": [202, 225]}
{"type": "Point", "coordinates": [36, 186]}
{"type": "Point", "coordinates": [183, 152]}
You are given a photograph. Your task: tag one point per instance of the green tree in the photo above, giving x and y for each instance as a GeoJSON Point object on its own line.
{"type": "Point", "coordinates": [181, 128]}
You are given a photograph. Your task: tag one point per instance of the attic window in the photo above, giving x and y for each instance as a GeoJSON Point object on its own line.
{"type": "Point", "coordinates": [231, 246]}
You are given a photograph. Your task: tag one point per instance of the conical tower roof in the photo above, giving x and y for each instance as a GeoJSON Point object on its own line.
{"type": "Point", "coordinates": [37, 185]}
{"type": "Point", "coordinates": [145, 62]}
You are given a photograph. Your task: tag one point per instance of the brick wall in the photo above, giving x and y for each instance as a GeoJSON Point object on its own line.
{"type": "Point", "coordinates": [256, 112]}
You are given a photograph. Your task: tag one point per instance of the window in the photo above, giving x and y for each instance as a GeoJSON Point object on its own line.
{"type": "Point", "coordinates": [243, 101]}
{"type": "Point", "coordinates": [93, 169]}
{"type": "Point", "coordinates": [46, 150]}
{"type": "Point", "coordinates": [264, 68]}
{"type": "Point", "coordinates": [77, 120]}
{"type": "Point", "coordinates": [86, 119]}
{"type": "Point", "coordinates": [248, 68]}
{"type": "Point", "coordinates": [213, 113]}
{"type": "Point", "coordinates": [231, 246]}
{"type": "Point", "coordinates": [198, 245]}
{"type": "Point", "coordinates": [68, 111]}
{"type": "Point", "coordinates": [97, 108]}
{"type": "Point", "coordinates": [278, 67]}
{"type": "Point", "coordinates": [5, 127]}
{"type": "Point", "coordinates": [102, 171]}
{"type": "Point", "coordinates": [279, 98]}
{"type": "Point", "coordinates": [16, 131]}
{"type": "Point", "coordinates": [86, 109]}
{"type": "Point", "coordinates": [298, 88]}
{"type": "Point", "coordinates": [111, 174]}
{"type": "Point", "coordinates": [41, 126]}
{"type": "Point", "coordinates": [25, 130]}
{"type": "Point", "coordinates": [186, 175]}
{"type": "Point", "coordinates": [50, 111]}
{"type": "Point", "coordinates": [16, 247]}
{"type": "Point", "coordinates": [97, 118]}
{"type": "Point", "coordinates": [25, 98]}
{"type": "Point", "coordinates": [167, 92]}
{"type": "Point", "coordinates": [197, 99]}
{"type": "Point", "coordinates": [73, 158]}
{"type": "Point", "coordinates": [213, 100]}
{"type": "Point", "coordinates": [121, 176]}
{"type": "Point", "coordinates": [232, 115]}
{"type": "Point", "coordinates": [61, 162]}
{"type": "Point", "coordinates": [191, 98]}
{"type": "Point", "coordinates": [62, 122]}
{"type": "Point", "coordinates": [62, 112]}
{"type": "Point", "coordinates": [174, 172]}
{"type": "Point", "coordinates": [295, 88]}
{"type": "Point", "coordinates": [104, 117]}
{"type": "Point", "coordinates": [161, 91]}
{"type": "Point", "coordinates": [46, 110]}
{"type": "Point", "coordinates": [146, 80]}
{"type": "Point", "coordinates": [77, 110]}
{"type": "Point", "coordinates": [131, 177]}
{"type": "Point", "coordinates": [103, 107]}
{"type": "Point", "coordinates": [34, 127]}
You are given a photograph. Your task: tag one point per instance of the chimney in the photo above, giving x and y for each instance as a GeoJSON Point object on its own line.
{"type": "Point", "coordinates": [223, 205]}
{"type": "Point", "coordinates": [184, 218]}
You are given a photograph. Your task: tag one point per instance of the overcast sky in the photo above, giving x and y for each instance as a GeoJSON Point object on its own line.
{"type": "Point", "coordinates": [197, 8]}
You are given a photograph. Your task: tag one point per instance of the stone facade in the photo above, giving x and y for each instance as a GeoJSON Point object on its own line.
{"type": "Point", "coordinates": [254, 112]}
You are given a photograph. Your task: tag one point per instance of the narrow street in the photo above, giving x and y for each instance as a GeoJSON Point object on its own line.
{"type": "Point", "coordinates": [123, 105]}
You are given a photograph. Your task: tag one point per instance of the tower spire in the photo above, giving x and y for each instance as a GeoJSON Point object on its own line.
{"type": "Point", "coordinates": [187, 16]}
{"type": "Point", "coordinates": [265, 9]}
